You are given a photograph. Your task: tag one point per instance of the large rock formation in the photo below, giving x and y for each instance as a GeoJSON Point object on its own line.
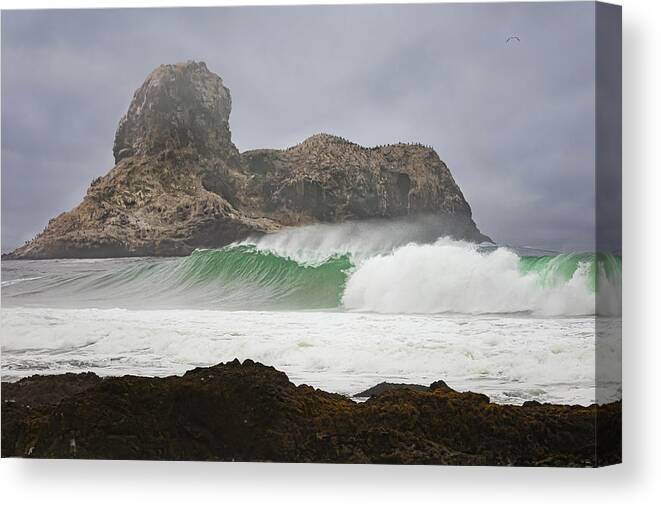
{"type": "Point", "coordinates": [178, 106]}
{"type": "Point", "coordinates": [179, 182]}
{"type": "Point", "coordinates": [250, 412]}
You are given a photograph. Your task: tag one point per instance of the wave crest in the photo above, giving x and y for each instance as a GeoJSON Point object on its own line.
{"type": "Point", "coordinates": [455, 277]}
{"type": "Point", "coordinates": [445, 276]}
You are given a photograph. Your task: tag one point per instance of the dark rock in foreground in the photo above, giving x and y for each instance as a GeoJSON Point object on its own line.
{"type": "Point", "coordinates": [251, 412]}
{"type": "Point", "coordinates": [179, 182]}
{"type": "Point", "coordinates": [388, 386]}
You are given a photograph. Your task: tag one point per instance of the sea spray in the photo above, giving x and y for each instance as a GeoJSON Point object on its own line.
{"type": "Point", "coordinates": [358, 239]}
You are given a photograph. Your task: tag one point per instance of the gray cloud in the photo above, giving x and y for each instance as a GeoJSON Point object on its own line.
{"type": "Point", "coordinates": [514, 122]}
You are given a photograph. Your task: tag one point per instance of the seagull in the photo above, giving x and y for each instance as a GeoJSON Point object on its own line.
{"type": "Point", "coordinates": [513, 38]}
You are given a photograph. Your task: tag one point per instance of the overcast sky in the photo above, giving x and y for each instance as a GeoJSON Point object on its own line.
{"type": "Point", "coordinates": [513, 121]}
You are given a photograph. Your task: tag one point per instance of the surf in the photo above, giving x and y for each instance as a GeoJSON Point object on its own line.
{"type": "Point", "coordinates": [455, 277]}
{"type": "Point", "coordinates": [344, 271]}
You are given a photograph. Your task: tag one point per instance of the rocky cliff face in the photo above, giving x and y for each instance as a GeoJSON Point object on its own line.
{"type": "Point", "coordinates": [330, 179]}
{"type": "Point", "coordinates": [177, 107]}
{"type": "Point", "coordinates": [179, 182]}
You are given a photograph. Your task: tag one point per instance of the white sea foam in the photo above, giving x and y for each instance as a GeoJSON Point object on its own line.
{"type": "Point", "coordinates": [509, 358]}
{"type": "Point", "coordinates": [455, 277]}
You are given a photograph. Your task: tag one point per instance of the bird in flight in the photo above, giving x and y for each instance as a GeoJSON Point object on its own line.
{"type": "Point", "coordinates": [513, 38]}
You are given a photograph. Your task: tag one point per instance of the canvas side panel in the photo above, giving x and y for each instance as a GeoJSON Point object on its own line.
{"type": "Point", "coordinates": [608, 157]}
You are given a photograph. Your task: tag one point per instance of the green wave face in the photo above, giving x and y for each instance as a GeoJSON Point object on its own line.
{"type": "Point", "coordinates": [244, 277]}
{"type": "Point", "coordinates": [553, 270]}
{"type": "Point", "coordinates": [284, 282]}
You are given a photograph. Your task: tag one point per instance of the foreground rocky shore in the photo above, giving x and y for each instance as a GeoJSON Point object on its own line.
{"type": "Point", "coordinates": [251, 412]}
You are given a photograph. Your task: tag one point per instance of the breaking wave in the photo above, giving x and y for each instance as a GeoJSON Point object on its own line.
{"type": "Point", "coordinates": [341, 269]}
{"type": "Point", "coordinates": [453, 277]}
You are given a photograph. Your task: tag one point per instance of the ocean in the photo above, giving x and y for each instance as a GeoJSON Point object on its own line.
{"type": "Point", "coordinates": [339, 307]}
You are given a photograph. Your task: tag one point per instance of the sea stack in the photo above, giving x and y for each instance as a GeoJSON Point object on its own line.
{"type": "Point", "coordinates": [179, 182]}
